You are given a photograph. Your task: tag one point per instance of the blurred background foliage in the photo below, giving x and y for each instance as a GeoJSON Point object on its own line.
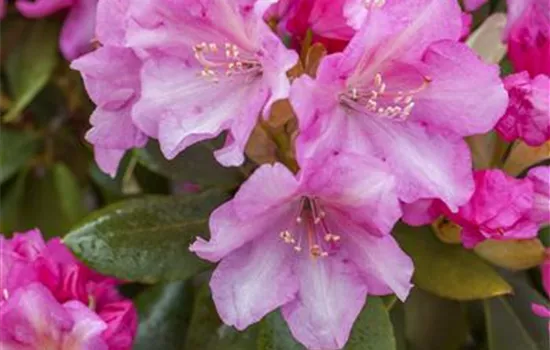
{"type": "Point", "coordinates": [463, 300]}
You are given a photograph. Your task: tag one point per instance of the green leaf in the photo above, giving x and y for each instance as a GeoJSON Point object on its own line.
{"type": "Point", "coordinates": [164, 313]}
{"type": "Point", "coordinates": [504, 330]}
{"type": "Point", "coordinates": [30, 65]}
{"type": "Point", "coordinates": [196, 164]}
{"type": "Point", "coordinates": [207, 332]}
{"type": "Point", "coordinates": [49, 199]}
{"type": "Point", "coordinates": [147, 239]}
{"type": "Point", "coordinates": [434, 323]}
{"type": "Point", "coordinates": [372, 330]}
{"type": "Point", "coordinates": [16, 149]}
{"type": "Point", "coordinates": [446, 270]}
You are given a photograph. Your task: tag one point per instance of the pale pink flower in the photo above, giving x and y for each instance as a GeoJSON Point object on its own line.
{"type": "Point", "coordinates": [406, 91]}
{"type": "Point", "coordinates": [33, 271]}
{"type": "Point", "coordinates": [78, 29]}
{"type": "Point", "coordinates": [111, 76]}
{"type": "Point", "coordinates": [528, 114]}
{"type": "Point", "coordinates": [209, 67]}
{"type": "Point", "coordinates": [314, 244]}
{"type": "Point", "coordinates": [528, 35]}
{"type": "Point", "coordinates": [500, 209]}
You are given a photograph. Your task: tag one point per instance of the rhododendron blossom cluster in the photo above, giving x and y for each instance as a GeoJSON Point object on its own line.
{"type": "Point", "coordinates": [51, 301]}
{"type": "Point", "coordinates": [382, 97]}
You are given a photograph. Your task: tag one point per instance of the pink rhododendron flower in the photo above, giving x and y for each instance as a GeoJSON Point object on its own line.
{"type": "Point", "coordinates": [540, 177]}
{"type": "Point", "coordinates": [542, 310]}
{"type": "Point", "coordinates": [111, 76]}
{"type": "Point", "coordinates": [78, 29]}
{"type": "Point", "coordinates": [528, 35]}
{"type": "Point", "coordinates": [499, 209]}
{"type": "Point", "coordinates": [209, 66]}
{"type": "Point", "coordinates": [528, 114]}
{"type": "Point", "coordinates": [314, 244]}
{"type": "Point", "coordinates": [48, 297]}
{"type": "Point", "coordinates": [406, 91]}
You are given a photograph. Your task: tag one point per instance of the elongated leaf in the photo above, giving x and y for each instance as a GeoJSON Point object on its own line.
{"type": "Point", "coordinates": [16, 149]}
{"type": "Point", "coordinates": [434, 323]}
{"type": "Point", "coordinates": [196, 164]}
{"type": "Point", "coordinates": [513, 255]}
{"type": "Point", "coordinates": [147, 239]}
{"type": "Point", "coordinates": [372, 330]}
{"type": "Point", "coordinates": [504, 330]}
{"type": "Point", "coordinates": [207, 332]}
{"type": "Point", "coordinates": [447, 270]}
{"type": "Point", "coordinates": [30, 65]}
{"type": "Point", "coordinates": [164, 313]}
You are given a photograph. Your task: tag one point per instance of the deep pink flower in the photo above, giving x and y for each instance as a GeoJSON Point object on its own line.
{"type": "Point", "coordinates": [540, 177]}
{"type": "Point", "coordinates": [542, 310]}
{"type": "Point", "coordinates": [209, 66]}
{"type": "Point", "coordinates": [407, 92]}
{"type": "Point", "coordinates": [32, 270]}
{"type": "Point", "coordinates": [314, 244]}
{"type": "Point", "coordinates": [528, 114]}
{"type": "Point", "coordinates": [528, 35]}
{"type": "Point", "coordinates": [500, 209]}
{"type": "Point", "coordinates": [78, 29]}
{"type": "Point", "coordinates": [33, 319]}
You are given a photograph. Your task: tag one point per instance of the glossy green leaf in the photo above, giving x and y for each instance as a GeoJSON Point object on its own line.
{"type": "Point", "coordinates": [207, 332]}
{"type": "Point", "coordinates": [16, 149]}
{"type": "Point", "coordinates": [164, 315]}
{"type": "Point", "coordinates": [196, 165]}
{"type": "Point", "coordinates": [434, 323]}
{"type": "Point", "coordinates": [446, 270]}
{"type": "Point", "coordinates": [31, 63]}
{"type": "Point", "coordinates": [372, 331]}
{"type": "Point", "coordinates": [146, 239]}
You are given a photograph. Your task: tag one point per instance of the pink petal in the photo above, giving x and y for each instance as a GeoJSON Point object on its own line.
{"type": "Point", "coordinates": [41, 8]}
{"type": "Point", "coordinates": [78, 29]}
{"type": "Point", "coordinates": [355, 185]}
{"type": "Point", "coordinates": [121, 319]}
{"type": "Point", "coordinates": [472, 5]}
{"type": "Point", "coordinates": [87, 329]}
{"type": "Point", "coordinates": [540, 177]}
{"type": "Point", "coordinates": [528, 113]}
{"type": "Point", "coordinates": [330, 298]}
{"type": "Point", "coordinates": [380, 259]}
{"type": "Point", "coordinates": [269, 187]}
{"type": "Point", "coordinates": [32, 317]}
{"type": "Point", "coordinates": [540, 310]}
{"type": "Point", "coordinates": [228, 232]}
{"type": "Point", "coordinates": [28, 245]}
{"type": "Point", "coordinates": [451, 100]}
{"type": "Point", "coordinates": [419, 213]}
{"type": "Point", "coordinates": [111, 21]}
{"type": "Point", "coordinates": [108, 159]}
{"type": "Point", "coordinates": [426, 163]}
{"type": "Point", "coordinates": [253, 281]}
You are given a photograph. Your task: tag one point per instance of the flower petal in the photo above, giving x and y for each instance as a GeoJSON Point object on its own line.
{"type": "Point", "coordinates": [228, 232]}
{"type": "Point", "coordinates": [108, 159]}
{"type": "Point", "coordinates": [87, 329]}
{"type": "Point", "coordinates": [451, 100]}
{"type": "Point", "coordinates": [331, 297]}
{"type": "Point", "coordinates": [78, 29]}
{"type": "Point", "coordinates": [427, 163]}
{"type": "Point", "coordinates": [41, 8]}
{"type": "Point", "coordinates": [253, 281]}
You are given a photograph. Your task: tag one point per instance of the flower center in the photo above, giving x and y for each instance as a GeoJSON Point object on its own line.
{"type": "Point", "coordinates": [378, 100]}
{"type": "Point", "coordinates": [227, 62]}
{"type": "Point", "coordinates": [310, 229]}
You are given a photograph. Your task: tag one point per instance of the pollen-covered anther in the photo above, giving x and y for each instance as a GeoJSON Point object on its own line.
{"type": "Point", "coordinates": [317, 252]}
{"type": "Point", "coordinates": [374, 3]}
{"type": "Point", "coordinates": [329, 237]}
{"type": "Point", "coordinates": [287, 237]}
